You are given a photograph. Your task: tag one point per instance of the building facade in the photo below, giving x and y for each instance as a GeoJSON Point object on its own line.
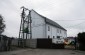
{"type": "Point", "coordinates": [43, 27]}
{"type": "Point", "coordinates": [41, 32]}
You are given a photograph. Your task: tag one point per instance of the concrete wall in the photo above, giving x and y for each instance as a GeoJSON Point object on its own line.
{"type": "Point", "coordinates": [31, 43]}
{"type": "Point", "coordinates": [37, 43]}
{"type": "Point", "coordinates": [15, 42]}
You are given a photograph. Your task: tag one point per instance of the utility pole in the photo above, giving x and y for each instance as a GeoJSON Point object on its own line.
{"type": "Point", "coordinates": [25, 27]}
{"type": "Point", "coordinates": [30, 21]}
{"type": "Point", "coordinates": [21, 41]}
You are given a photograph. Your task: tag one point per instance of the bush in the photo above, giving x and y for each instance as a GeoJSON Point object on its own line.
{"type": "Point", "coordinates": [81, 40]}
{"type": "Point", "coordinates": [82, 47]}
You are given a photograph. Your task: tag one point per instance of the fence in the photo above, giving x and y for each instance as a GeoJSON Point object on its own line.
{"type": "Point", "coordinates": [5, 43]}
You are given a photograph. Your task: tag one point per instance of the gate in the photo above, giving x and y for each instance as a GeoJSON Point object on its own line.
{"type": "Point", "coordinates": [44, 43]}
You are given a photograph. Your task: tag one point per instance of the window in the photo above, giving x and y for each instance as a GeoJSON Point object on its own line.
{"type": "Point", "coordinates": [58, 30]}
{"type": "Point", "coordinates": [48, 36]}
{"type": "Point", "coordinates": [48, 28]}
{"type": "Point", "coordinates": [58, 37]}
{"type": "Point", "coordinates": [53, 36]}
{"type": "Point", "coordinates": [64, 32]}
{"type": "Point", "coordinates": [56, 41]}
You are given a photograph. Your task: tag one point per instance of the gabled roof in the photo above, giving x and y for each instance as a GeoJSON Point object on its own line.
{"type": "Point", "coordinates": [51, 22]}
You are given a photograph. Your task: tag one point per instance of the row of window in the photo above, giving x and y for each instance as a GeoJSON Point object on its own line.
{"type": "Point", "coordinates": [59, 31]}
{"type": "Point", "coordinates": [54, 37]}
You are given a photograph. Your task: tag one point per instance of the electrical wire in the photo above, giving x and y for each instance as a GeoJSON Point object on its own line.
{"type": "Point", "coordinates": [66, 27]}
{"type": "Point", "coordinates": [75, 25]}
{"type": "Point", "coordinates": [63, 20]}
{"type": "Point", "coordinates": [71, 20]}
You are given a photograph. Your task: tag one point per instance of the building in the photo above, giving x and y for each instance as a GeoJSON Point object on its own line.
{"type": "Point", "coordinates": [44, 31]}
{"type": "Point", "coordinates": [43, 27]}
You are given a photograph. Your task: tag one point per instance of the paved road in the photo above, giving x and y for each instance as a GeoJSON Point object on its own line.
{"type": "Point", "coordinates": [44, 52]}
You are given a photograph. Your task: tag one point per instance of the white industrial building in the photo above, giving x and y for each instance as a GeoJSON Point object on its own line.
{"type": "Point", "coordinates": [43, 27]}
{"type": "Point", "coordinates": [43, 32]}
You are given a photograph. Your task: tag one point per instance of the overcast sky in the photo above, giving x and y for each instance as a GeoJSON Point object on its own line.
{"type": "Point", "coordinates": [68, 13]}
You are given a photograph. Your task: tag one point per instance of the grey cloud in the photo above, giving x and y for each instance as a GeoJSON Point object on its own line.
{"type": "Point", "coordinates": [53, 9]}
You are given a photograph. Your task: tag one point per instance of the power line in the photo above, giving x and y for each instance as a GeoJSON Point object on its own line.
{"type": "Point", "coordinates": [62, 20]}
{"type": "Point", "coordinates": [75, 25]}
{"type": "Point", "coordinates": [70, 20]}
{"type": "Point", "coordinates": [66, 27]}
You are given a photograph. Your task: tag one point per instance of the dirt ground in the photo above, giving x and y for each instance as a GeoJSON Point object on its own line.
{"type": "Point", "coordinates": [43, 52]}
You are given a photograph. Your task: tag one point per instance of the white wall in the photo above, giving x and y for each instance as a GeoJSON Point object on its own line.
{"type": "Point", "coordinates": [40, 28]}
{"type": "Point", "coordinates": [64, 33]}
{"type": "Point", "coordinates": [54, 31]}
{"type": "Point", "coordinates": [38, 25]}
